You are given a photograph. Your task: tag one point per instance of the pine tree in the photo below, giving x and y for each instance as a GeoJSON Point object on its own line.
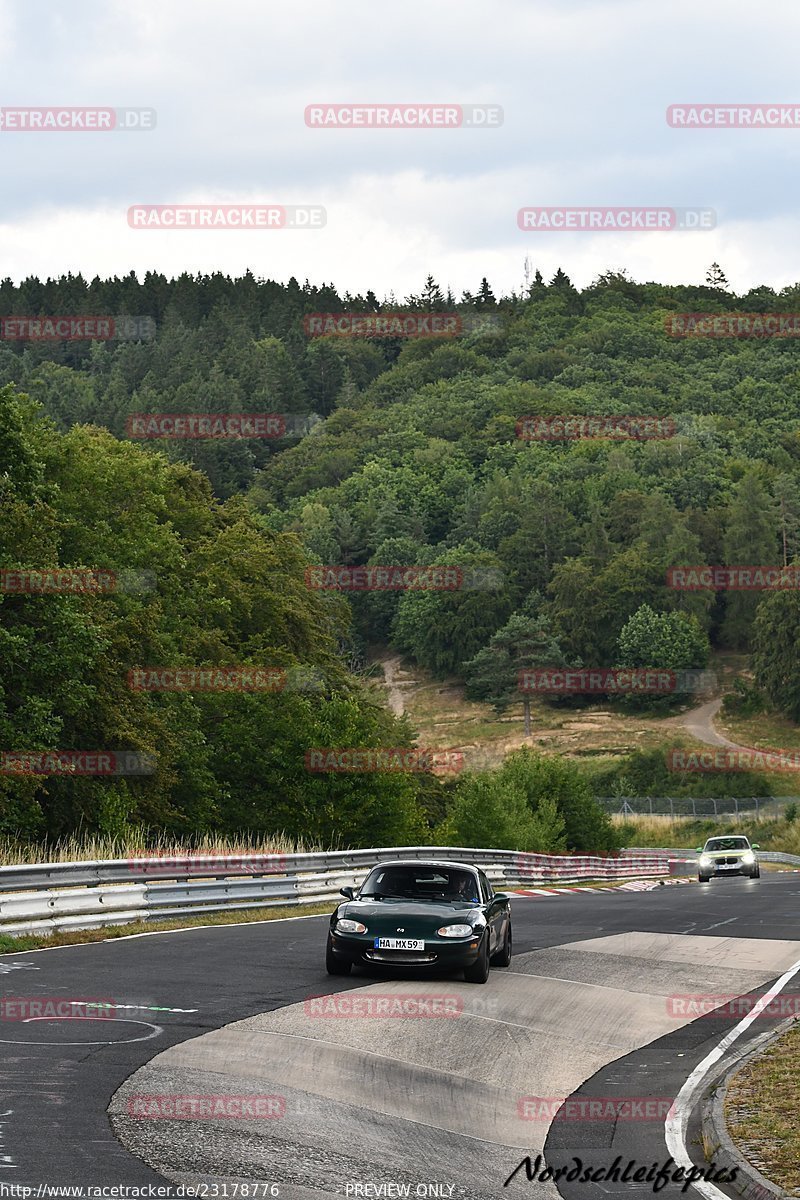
{"type": "Point", "coordinates": [485, 297]}
{"type": "Point", "coordinates": [787, 494]}
{"type": "Point", "coordinates": [750, 540]}
{"type": "Point", "coordinates": [715, 276]}
{"type": "Point", "coordinates": [523, 643]}
{"type": "Point", "coordinates": [431, 299]}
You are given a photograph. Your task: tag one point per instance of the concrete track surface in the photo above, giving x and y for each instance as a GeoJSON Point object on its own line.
{"type": "Point", "coordinates": [454, 1101]}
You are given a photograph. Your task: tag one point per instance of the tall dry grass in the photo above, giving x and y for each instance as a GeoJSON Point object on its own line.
{"type": "Point", "coordinates": [774, 833]}
{"type": "Point", "coordinates": [143, 844]}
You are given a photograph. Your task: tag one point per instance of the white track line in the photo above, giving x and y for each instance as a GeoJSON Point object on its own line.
{"type": "Point", "coordinates": [678, 1118]}
{"type": "Point", "coordinates": [128, 937]}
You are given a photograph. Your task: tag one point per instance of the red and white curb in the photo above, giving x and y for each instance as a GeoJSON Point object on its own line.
{"type": "Point", "coordinates": [634, 885]}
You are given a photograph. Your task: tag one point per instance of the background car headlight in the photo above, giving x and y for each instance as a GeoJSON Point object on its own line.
{"type": "Point", "coordinates": [345, 925]}
{"type": "Point", "coordinates": [748, 857]}
{"type": "Point", "coordinates": [455, 931]}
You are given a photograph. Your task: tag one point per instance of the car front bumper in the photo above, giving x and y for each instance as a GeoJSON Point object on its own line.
{"type": "Point", "coordinates": [359, 949]}
{"type": "Point", "coordinates": [738, 868]}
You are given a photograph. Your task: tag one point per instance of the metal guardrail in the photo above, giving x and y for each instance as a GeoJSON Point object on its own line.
{"type": "Point", "coordinates": [775, 856]}
{"type": "Point", "coordinates": [45, 897]}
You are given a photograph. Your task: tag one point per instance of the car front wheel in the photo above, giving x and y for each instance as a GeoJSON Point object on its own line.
{"type": "Point", "coordinates": [703, 878]}
{"type": "Point", "coordinates": [479, 971]}
{"type": "Point", "coordinates": [503, 956]}
{"type": "Point", "coordinates": [334, 965]}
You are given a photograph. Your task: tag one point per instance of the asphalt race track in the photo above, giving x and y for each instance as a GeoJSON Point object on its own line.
{"type": "Point", "coordinates": [455, 1101]}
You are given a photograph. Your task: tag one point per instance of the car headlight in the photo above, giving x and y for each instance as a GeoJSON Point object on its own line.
{"type": "Point", "coordinates": [706, 860]}
{"type": "Point", "coordinates": [345, 925]}
{"type": "Point", "coordinates": [748, 857]}
{"type": "Point", "coordinates": [455, 931]}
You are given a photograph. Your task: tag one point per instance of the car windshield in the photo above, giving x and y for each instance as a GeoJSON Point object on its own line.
{"type": "Point", "coordinates": [727, 843]}
{"type": "Point", "coordinates": [421, 883]}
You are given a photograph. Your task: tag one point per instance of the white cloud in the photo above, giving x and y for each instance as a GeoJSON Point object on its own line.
{"type": "Point", "coordinates": [584, 85]}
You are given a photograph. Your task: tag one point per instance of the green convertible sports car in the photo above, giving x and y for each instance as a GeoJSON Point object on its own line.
{"type": "Point", "coordinates": [427, 914]}
{"type": "Point", "coordinates": [727, 856]}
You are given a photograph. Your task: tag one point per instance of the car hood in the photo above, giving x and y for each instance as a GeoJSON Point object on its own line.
{"type": "Point", "coordinates": [384, 916]}
{"type": "Point", "coordinates": [726, 853]}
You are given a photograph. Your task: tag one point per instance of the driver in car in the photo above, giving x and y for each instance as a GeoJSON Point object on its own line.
{"type": "Point", "coordinates": [466, 889]}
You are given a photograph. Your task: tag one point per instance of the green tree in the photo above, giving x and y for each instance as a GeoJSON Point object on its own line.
{"type": "Point", "coordinates": [494, 674]}
{"type": "Point", "coordinates": [787, 495]}
{"type": "Point", "coordinates": [663, 641]}
{"type": "Point", "coordinates": [750, 540]}
{"type": "Point", "coordinates": [715, 276]}
{"type": "Point", "coordinates": [547, 778]}
{"type": "Point", "coordinates": [490, 812]}
{"type": "Point", "coordinates": [776, 651]}
{"type": "Point", "coordinates": [443, 628]}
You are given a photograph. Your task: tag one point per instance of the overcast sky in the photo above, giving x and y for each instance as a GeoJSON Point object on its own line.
{"type": "Point", "coordinates": [584, 86]}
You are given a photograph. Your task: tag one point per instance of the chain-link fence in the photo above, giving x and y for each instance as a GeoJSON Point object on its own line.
{"type": "Point", "coordinates": [755, 807]}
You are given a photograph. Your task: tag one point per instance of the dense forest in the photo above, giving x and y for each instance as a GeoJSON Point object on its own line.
{"type": "Point", "coordinates": [393, 451]}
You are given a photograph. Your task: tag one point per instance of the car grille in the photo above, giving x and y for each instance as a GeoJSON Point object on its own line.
{"type": "Point", "coordinates": [728, 862]}
{"type": "Point", "coordinates": [399, 956]}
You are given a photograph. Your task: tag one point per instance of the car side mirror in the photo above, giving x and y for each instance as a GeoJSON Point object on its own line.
{"type": "Point", "coordinates": [348, 892]}
{"type": "Point", "coordinates": [501, 896]}
{"type": "Point", "coordinates": [699, 849]}
{"type": "Point", "coordinates": [755, 846]}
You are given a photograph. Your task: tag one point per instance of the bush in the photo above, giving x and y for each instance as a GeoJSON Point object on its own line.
{"type": "Point", "coordinates": [551, 784]}
{"type": "Point", "coordinates": [745, 700]}
{"type": "Point", "coordinates": [491, 813]}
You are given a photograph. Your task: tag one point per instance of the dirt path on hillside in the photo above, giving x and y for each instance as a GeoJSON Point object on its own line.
{"type": "Point", "coordinates": [394, 685]}
{"type": "Point", "coordinates": [401, 685]}
{"type": "Point", "coordinates": [700, 724]}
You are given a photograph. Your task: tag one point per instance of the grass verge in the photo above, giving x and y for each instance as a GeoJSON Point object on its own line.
{"type": "Point", "coordinates": [762, 1110]}
{"type": "Point", "coordinates": [776, 834]}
